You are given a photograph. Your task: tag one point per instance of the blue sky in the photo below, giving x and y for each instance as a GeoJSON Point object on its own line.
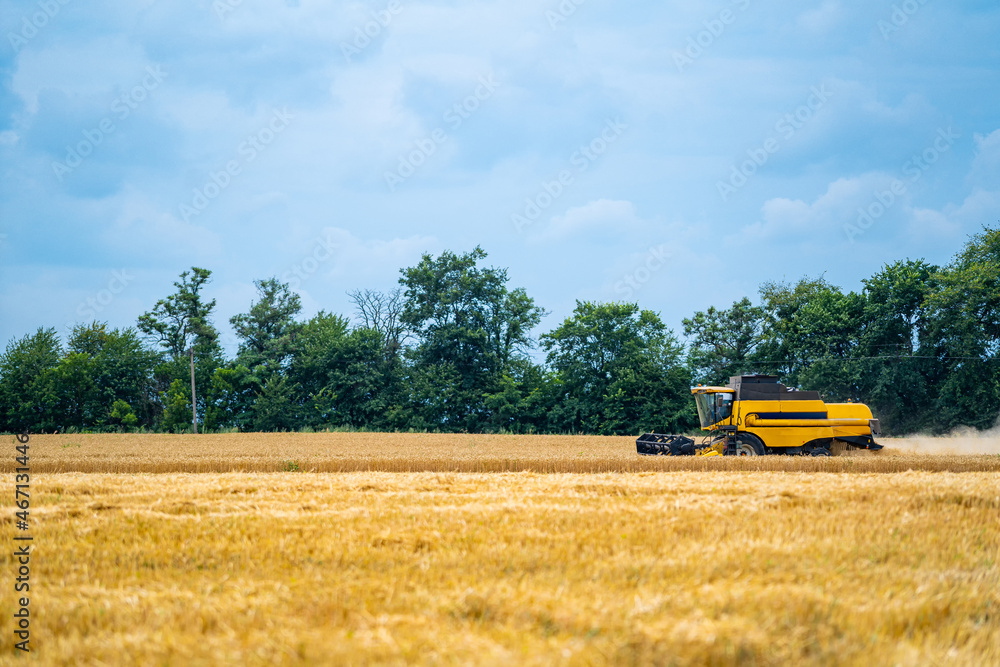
{"type": "Point", "coordinates": [676, 154]}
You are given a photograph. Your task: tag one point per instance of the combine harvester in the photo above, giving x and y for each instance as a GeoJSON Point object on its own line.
{"type": "Point", "coordinates": [756, 415]}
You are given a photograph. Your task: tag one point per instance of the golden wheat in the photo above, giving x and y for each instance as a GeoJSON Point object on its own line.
{"type": "Point", "coordinates": [422, 452]}
{"type": "Point", "coordinates": [686, 568]}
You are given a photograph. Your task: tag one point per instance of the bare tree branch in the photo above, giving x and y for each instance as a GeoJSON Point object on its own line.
{"type": "Point", "coordinates": [380, 311]}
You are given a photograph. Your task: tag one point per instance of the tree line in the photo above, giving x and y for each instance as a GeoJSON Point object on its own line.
{"type": "Point", "coordinates": [450, 350]}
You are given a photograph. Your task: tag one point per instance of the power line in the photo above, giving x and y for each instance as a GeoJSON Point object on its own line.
{"type": "Point", "coordinates": [896, 357]}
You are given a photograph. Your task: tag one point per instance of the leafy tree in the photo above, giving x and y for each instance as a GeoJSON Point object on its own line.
{"type": "Point", "coordinates": [971, 286]}
{"type": "Point", "coordinates": [276, 408]}
{"type": "Point", "coordinates": [343, 376]}
{"type": "Point", "coordinates": [436, 401]}
{"type": "Point", "coordinates": [315, 349]}
{"type": "Point", "coordinates": [267, 334]}
{"type": "Point", "coordinates": [723, 341]}
{"type": "Point", "coordinates": [811, 336]}
{"type": "Point", "coordinates": [896, 380]}
{"type": "Point", "coordinates": [470, 329]}
{"type": "Point", "coordinates": [896, 309]}
{"type": "Point", "coordinates": [618, 371]}
{"type": "Point", "coordinates": [181, 324]}
{"type": "Point", "coordinates": [362, 380]}
{"type": "Point", "coordinates": [268, 330]}
{"type": "Point", "coordinates": [183, 319]}
{"type": "Point", "coordinates": [231, 395]}
{"type": "Point", "coordinates": [26, 400]}
{"type": "Point", "coordinates": [830, 327]}
{"type": "Point", "coordinates": [449, 350]}
{"type": "Point", "coordinates": [524, 400]}
{"type": "Point", "coordinates": [176, 407]}
{"type": "Point", "coordinates": [119, 368]}
{"type": "Point", "coordinates": [781, 350]}
{"type": "Point", "coordinates": [45, 387]}
{"type": "Point", "coordinates": [71, 392]}
{"type": "Point", "coordinates": [122, 416]}
{"type": "Point", "coordinates": [964, 333]}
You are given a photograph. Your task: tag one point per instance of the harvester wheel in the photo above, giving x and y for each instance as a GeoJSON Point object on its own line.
{"type": "Point", "coordinates": [820, 451]}
{"type": "Point", "coordinates": [749, 445]}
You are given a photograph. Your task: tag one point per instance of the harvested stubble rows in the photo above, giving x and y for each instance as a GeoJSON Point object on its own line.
{"type": "Point", "coordinates": [514, 568]}
{"type": "Point", "coordinates": [422, 452]}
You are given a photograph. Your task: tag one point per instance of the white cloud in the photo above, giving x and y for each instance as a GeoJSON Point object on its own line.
{"type": "Point", "coordinates": [95, 68]}
{"type": "Point", "coordinates": [338, 260]}
{"type": "Point", "coordinates": [979, 208]}
{"type": "Point", "coordinates": [356, 256]}
{"type": "Point", "coordinates": [795, 220]}
{"type": "Point", "coordinates": [823, 18]}
{"type": "Point", "coordinates": [986, 165]}
{"type": "Point", "coordinates": [851, 207]}
{"type": "Point", "coordinates": [145, 233]}
{"type": "Point", "coordinates": [601, 214]}
{"type": "Point", "coordinates": [950, 223]}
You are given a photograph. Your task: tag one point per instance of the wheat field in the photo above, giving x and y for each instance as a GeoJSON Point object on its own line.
{"type": "Point", "coordinates": [848, 565]}
{"type": "Point", "coordinates": [430, 452]}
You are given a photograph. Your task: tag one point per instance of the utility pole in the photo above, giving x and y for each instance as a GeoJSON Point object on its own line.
{"type": "Point", "coordinates": [194, 398]}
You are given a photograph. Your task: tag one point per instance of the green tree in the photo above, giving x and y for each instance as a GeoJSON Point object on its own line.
{"type": "Point", "coordinates": [783, 349]}
{"type": "Point", "coordinates": [267, 334]}
{"type": "Point", "coordinates": [723, 342]}
{"type": "Point", "coordinates": [122, 416]}
{"type": "Point", "coordinates": [830, 327]}
{"type": "Point", "coordinates": [72, 393]}
{"type": "Point", "coordinates": [524, 400]}
{"type": "Point", "coordinates": [895, 378]}
{"type": "Point", "coordinates": [964, 333]}
{"type": "Point", "coordinates": [181, 324]}
{"type": "Point", "coordinates": [176, 407]}
{"type": "Point", "coordinates": [183, 319]}
{"type": "Point", "coordinates": [343, 376]}
{"type": "Point", "coordinates": [268, 330]}
{"type": "Point", "coordinates": [26, 400]}
{"type": "Point", "coordinates": [316, 350]}
{"type": "Point", "coordinates": [276, 407]}
{"type": "Point", "coordinates": [362, 380]}
{"type": "Point", "coordinates": [119, 368]}
{"type": "Point", "coordinates": [619, 370]}
{"type": "Point", "coordinates": [470, 329]}
{"type": "Point", "coordinates": [232, 392]}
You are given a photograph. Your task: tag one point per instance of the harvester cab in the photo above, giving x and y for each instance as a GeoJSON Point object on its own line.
{"type": "Point", "coordinates": [715, 404]}
{"type": "Point", "coordinates": [755, 415]}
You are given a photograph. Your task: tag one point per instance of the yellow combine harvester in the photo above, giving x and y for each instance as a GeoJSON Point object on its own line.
{"type": "Point", "coordinates": [757, 415]}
